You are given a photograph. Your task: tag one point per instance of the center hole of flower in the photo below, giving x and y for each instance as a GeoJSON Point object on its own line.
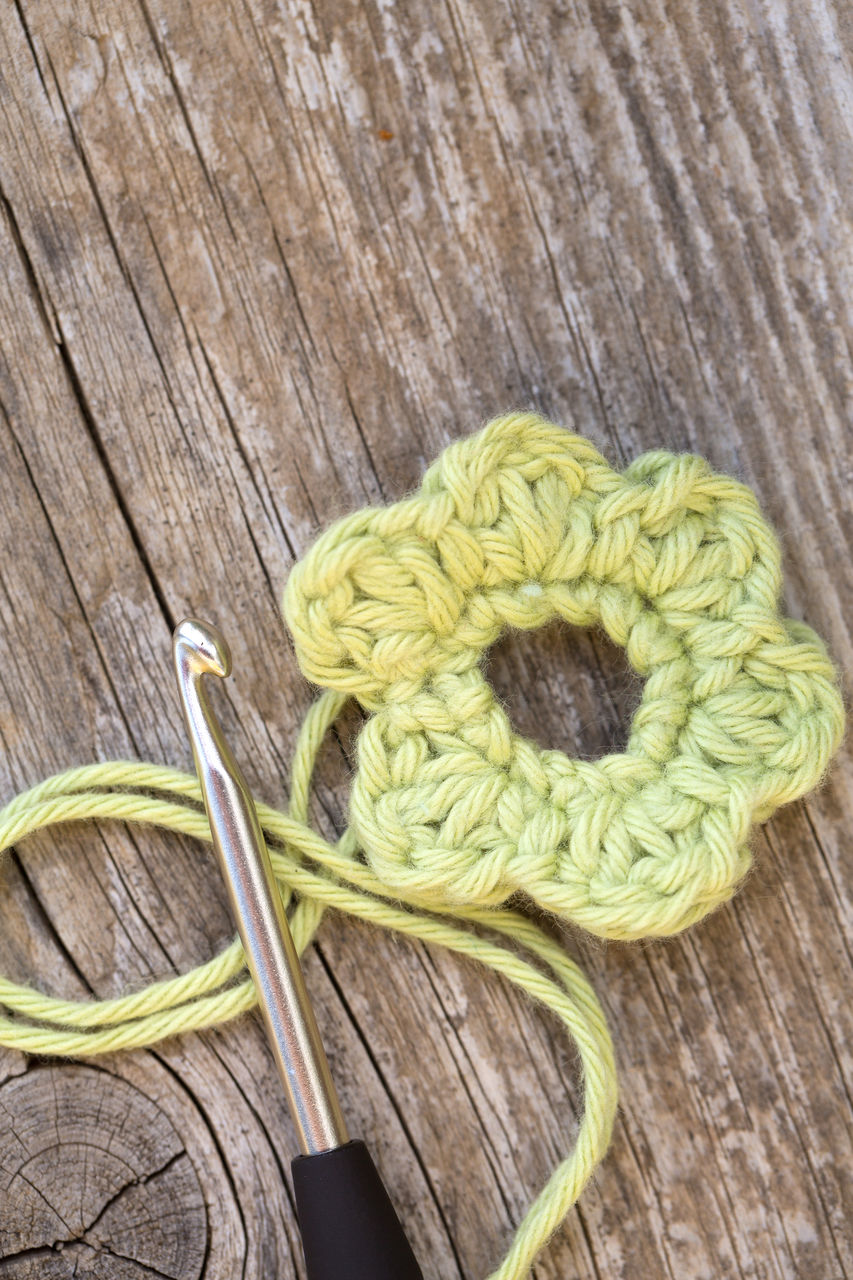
{"type": "Point", "coordinates": [565, 688]}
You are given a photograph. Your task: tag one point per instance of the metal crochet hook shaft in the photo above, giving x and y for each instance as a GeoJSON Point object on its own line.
{"type": "Point", "coordinates": [270, 954]}
{"type": "Point", "coordinates": [349, 1228]}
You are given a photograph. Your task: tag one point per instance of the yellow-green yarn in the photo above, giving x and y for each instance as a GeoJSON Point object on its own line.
{"type": "Point", "coordinates": [514, 526]}
{"type": "Point", "coordinates": [322, 875]}
{"type": "Point", "coordinates": [453, 811]}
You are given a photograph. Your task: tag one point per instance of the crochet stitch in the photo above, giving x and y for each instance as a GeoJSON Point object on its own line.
{"type": "Point", "coordinates": [516, 525]}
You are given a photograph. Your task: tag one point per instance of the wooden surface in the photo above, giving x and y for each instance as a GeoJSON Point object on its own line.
{"type": "Point", "coordinates": [262, 260]}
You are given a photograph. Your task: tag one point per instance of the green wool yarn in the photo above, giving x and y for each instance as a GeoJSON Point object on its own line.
{"type": "Point", "coordinates": [452, 811]}
{"type": "Point", "coordinates": [516, 525]}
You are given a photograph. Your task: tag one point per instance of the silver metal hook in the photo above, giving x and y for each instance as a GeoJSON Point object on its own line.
{"type": "Point", "coordinates": [198, 650]}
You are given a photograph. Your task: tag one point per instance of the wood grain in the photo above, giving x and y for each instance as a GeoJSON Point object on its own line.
{"type": "Point", "coordinates": [92, 1167]}
{"type": "Point", "coordinates": [262, 260]}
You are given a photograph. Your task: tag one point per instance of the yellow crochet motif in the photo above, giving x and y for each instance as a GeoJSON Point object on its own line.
{"type": "Point", "coordinates": [519, 524]}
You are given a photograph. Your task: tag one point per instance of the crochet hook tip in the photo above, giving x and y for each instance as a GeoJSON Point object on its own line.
{"type": "Point", "coordinates": [202, 647]}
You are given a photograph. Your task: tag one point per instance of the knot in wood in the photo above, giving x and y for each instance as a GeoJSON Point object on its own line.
{"type": "Point", "coordinates": [94, 1176]}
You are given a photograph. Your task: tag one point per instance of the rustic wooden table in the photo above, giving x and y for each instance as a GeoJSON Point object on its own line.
{"type": "Point", "coordinates": [262, 261]}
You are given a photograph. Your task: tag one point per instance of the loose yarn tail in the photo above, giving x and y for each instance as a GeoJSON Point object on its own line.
{"type": "Point", "coordinates": [313, 875]}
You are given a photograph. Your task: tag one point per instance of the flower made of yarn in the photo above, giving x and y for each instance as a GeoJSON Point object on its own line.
{"type": "Point", "coordinates": [514, 526]}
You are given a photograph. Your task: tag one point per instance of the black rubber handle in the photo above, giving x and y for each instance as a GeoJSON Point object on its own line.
{"type": "Point", "coordinates": [348, 1225]}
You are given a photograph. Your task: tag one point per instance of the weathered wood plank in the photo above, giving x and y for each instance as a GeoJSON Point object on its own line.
{"type": "Point", "coordinates": [262, 261]}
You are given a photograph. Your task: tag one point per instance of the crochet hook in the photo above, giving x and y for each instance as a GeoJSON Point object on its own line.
{"type": "Point", "coordinates": [348, 1225]}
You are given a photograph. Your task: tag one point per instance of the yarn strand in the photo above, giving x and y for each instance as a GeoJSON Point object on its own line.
{"type": "Point", "coordinates": [313, 875]}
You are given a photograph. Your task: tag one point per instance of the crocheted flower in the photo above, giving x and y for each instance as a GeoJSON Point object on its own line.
{"type": "Point", "coordinates": [514, 526]}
